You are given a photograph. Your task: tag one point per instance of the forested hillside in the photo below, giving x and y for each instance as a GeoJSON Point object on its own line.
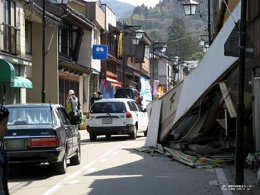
{"type": "Point", "coordinates": [167, 22]}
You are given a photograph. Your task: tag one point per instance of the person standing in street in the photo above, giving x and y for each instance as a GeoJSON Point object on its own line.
{"type": "Point", "coordinates": [93, 98]}
{"type": "Point", "coordinates": [99, 95]}
{"type": "Point", "coordinates": [72, 102]}
{"type": "Point", "coordinates": [138, 98]}
{"type": "Point", "coordinates": [4, 114]}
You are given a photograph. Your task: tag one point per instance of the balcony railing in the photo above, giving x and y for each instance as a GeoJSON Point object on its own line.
{"type": "Point", "coordinates": [10, 38]}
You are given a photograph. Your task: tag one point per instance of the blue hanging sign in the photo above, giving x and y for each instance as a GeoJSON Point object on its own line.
{"type": "Point", "coordinates": [100, 52]}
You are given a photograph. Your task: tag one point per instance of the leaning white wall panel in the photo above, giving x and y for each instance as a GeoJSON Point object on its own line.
{"type": "Point", "coordinates": [211, 67]}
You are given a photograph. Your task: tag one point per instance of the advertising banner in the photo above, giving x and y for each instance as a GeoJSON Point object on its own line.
{"type": "Point", "coordinates": [155, 87]}
{"type": "Point", "coordinates": [145, 89]}
{"type": "Point", "coordinates": [106, 89]}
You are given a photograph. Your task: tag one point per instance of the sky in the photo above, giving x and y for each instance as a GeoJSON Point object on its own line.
{"type": "Point", "coordinates": [148, 3]}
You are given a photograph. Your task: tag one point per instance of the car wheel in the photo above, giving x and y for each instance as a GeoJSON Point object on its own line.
{"type": "Point", "coordinates": [75, 160]}
{"type": "Point", "coordinates": [133, 135]}
{"type": "Point", "coordinates": [93, 137]}
{"type": "Point", "coordinates": [61, 167]}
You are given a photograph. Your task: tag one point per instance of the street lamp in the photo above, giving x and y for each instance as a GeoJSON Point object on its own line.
{"type": "Point", "coordinates": [176, 62]}
{"type": "Point", "coordinates": [135, 41]}
{"type": "Point", "coordinates": [205, 47]}
{"type": "Point", "coordinates": [162, 46]}
{"type": "Point", "coordinates": [190, 7]}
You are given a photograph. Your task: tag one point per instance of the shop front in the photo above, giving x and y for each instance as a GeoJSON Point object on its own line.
{"type": "Point", "coordinates": [12, 84]}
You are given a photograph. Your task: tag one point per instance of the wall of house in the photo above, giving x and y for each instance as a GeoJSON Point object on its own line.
{"type": "Point", "coordinates": [162, 67]}
{"type": "Point", "coordinates": [80, 7]}
{"type": "Point", "coordinates": [145, 66]}
{"type": "Point", "coordinates": [254, 22]}
{"type": "Point", "coordinates": [51, 66]}
{"type": "Point", "coordinates": [85, 52]}
{"type": "Point", "coordinates": [96, 64]}
{"type": "Point", "coordinates": [110, 16]}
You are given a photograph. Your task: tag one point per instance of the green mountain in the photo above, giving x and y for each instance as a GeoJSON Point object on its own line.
{"type": "Point", "coordinates": [166, 20]}
{"type": "Point", "coordinates": [160, 17]}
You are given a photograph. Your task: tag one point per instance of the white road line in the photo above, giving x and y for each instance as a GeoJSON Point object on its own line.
{"type": "Point", "coordinates": [222, 181]}
{"type": "Point", "coordinates": [90, 170]}
{"type": "Point", "coordinates": [75, 181]}
{"type": "Point", "coordinates": [114, 153]}
{"type": "Point", "coordinates": [104, 160]}
{"type": "Point", "coordinates": [213, 183]}
{"type": "Point", "coordinates": [77, 173]}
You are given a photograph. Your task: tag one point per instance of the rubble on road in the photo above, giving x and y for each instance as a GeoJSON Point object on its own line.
{"type": "Point", "coordinates": [193, 161]}
{"type": "Point", "coordinates": [152, 150]}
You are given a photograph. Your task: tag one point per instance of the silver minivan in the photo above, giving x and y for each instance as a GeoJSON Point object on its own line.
{"type": "Point", "coordinates": [116, 116]}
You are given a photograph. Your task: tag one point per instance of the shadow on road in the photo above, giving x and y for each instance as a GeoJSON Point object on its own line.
{"type": "Point", "coordinates": [30, 173]}
{"type": "Point", "coordinates": [113, 138]}
{"type": "Point", "coordinates": [152, 175]}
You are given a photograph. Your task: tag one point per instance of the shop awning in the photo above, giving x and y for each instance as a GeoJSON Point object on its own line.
{"type": "Point", "coordinates": [7, 72]}
{"type": "Point", "coordinates": [22, 82]}
{"type": "Point", "coordinates": [114, 82]}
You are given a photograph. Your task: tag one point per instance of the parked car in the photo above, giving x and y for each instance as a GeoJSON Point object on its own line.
{"type": "Point", "coordinates": [40, 133]}
{"type": "Point", "coordinates": [116, 116]}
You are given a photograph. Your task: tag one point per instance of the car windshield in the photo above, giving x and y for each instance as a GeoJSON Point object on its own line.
{"type": "Point", "coordinates": [29, 116]}
{"type": "Point", "coordinates": [108, 107]}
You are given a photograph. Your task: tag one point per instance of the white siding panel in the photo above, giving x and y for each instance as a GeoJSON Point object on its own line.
{"type": "Point", "coordinates": [211, 67]}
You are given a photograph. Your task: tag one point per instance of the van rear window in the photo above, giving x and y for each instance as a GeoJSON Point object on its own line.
{"type": "Point", "coordinates": [108, 107]}
{"type": "Point", "coordinates": [128, 93]}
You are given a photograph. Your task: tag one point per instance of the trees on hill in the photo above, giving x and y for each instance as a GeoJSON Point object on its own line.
{"type": "Point", "coordinates": [179, 43]}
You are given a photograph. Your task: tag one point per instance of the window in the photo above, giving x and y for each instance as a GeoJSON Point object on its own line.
{"type": "Point", "coordinates": [10, 31]}
{"type": "Point", "coordinates": [112, 43]}
{"type": "Point", "coordinates": [63, 116]}
{"type": "Point", "coordinates": [139, 107]}
{"type": "Point", "coordinates": [65, 40]}
{"type": "Point", "coordinates": [134, 106]}
{"type": "Point", "coordinates": [130, 106]}
{"type": "Point", "coordinates": [108, 107]}
{"type": "Point", "coordinates": [28, 36]}
{"type": "Point", "coordinates": [30, 116]}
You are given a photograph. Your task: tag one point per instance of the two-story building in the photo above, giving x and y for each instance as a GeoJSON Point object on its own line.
{"type": "Point", "coordinates": [68, 51]}
{"type": "Point", "coordinates": [15, 52]}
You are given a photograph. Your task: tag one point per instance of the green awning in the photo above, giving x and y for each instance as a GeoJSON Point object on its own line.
{"type": "Point", "coordinates": [7, 72]}
{"type": "Point", "coordinates": [22, 82]}
{"type": "Point", "coordinates": [93, 71]}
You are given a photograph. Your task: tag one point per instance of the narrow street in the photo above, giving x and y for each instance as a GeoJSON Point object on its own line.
{"type": "Point", "coordinates": [113, 166]}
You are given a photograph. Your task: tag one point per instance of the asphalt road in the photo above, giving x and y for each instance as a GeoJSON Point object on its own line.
{"type": "Point", "coordinates": [113, 166]}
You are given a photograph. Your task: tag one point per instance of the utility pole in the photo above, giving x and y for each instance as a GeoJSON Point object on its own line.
{"type": "Point", "coordinates": [43, 48]}
{"type": "Point", "coordinates": [241, 106]}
